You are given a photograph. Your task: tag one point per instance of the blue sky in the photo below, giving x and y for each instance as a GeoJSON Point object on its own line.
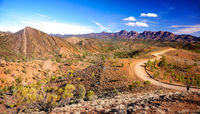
{"type": "Point", "coordinates": [86, 16]}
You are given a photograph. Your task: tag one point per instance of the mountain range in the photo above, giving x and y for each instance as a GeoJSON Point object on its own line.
{"type": "Point", "coordinates": [123, 34]}
{"type": "Point", "coordinates": [30, 42]}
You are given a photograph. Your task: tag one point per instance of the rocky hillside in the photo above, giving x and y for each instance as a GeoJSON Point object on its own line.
{"type": "Point", "coordinates": [34, 43]}
{"type": "Point", "coordinates": [159, 35]}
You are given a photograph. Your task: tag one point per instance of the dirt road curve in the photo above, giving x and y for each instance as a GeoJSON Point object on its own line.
{"type": "Point", "coordinates": [140, 72]}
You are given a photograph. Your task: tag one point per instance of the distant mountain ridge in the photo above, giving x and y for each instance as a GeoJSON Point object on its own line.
{"type": "Point", "coordinates": [123, 34]}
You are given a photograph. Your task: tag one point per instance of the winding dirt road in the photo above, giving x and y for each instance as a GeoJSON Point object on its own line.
{"type": "Point", "coordinates": [138, 68]}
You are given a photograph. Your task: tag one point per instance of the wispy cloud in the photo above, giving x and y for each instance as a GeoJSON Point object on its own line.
{"type": "Point", "coordinates": [131, 18]}
{"type": "Point", "coordinates": [101, 26]}
{"type": "Point", "coordinates": [41, 15]}
{"type": "Point", "coordinates": [186, 29]}
{"type": "Point", "coordinates": [148, 15]}
{"type": "Point", "coordinates": [137, 24]}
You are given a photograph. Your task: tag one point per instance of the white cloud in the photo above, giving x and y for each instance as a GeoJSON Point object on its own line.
{"type": "Point", "coordinates": [186, 29]}
{"type": "Point", "coordinates": [131, 18]}
{"type": "Point", "coordinates": [101, 26]}
{"type": "Point", "coordinates": [148, 15]}
{"type": "Point", "coordinates": [49, 27]}
{"type": "Point", "coordinates": [137, 24]}
{"type": "Point", "coordinates": [11, 28]}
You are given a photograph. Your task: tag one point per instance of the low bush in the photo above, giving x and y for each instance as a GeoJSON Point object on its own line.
{"type": "Point", "coordinates": [8, 71]}
{"type": "Point", "coordinates": [43, 96]}
{"type": "Point", "coordinates": [81, 91]}
{"type": "Point", "coordinates": [147, 82]}
{"type": "Point", "coordinates": [134, 85]}
{"type": "Point", "coordinates": [90, 95]}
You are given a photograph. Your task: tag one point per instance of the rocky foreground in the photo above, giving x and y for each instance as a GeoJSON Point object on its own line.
{"type": "Point", "coordinates": [152, 102]}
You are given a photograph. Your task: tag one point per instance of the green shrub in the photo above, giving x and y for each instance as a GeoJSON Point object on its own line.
{"type": "Point", "coordinates": [53, 78]}
{"type": "Point", "coordinates": [163, 62]}
{"type": "Point", "coordinates": [124, 77]}
{"type": "Point", "coordinates": [122, 65]}
{"type": "Point", "coordinates": [103, 58]}
{"type": "Point", "coordinates": [90, 95]}
{"type": "Point", "coordinates": [18, 80]}
{"type": "Point", "coordinates": [165, 75]}
{"type": "Point", "coordinates": [10, 105]}
{"type": "Point", "coordinates": [24, 71]}
{"type": "Point", "coordinates": [116, 92]}
{"type": "Point", "coordinates": [156, 74]}
{"type": "Point", "coordinates": [43, 96]}
{"type": "Point", "coordinates": [2, 102]}
{"type": "Point", "coordinates": [149, 63]}
{"type": "Point", "coordinates": [8, 71]}
{"type": "Point", "coordinates": [2, 93]}
{"type": "Point", "coordinates": [71, 73]}
{"type": "Point", "coordinates": [92, 75]}
{"type": "Point", "coordinates": [147, 82]}
{"type": "Point", "coordinates": [134, 85]}
{"type": "Point", "coordinates": [81, 91]}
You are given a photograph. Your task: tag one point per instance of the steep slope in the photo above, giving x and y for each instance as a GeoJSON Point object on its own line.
{"type": "Point", "coordinates": [34, 43]}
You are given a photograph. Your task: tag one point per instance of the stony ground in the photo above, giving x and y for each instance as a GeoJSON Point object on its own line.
{"type": "Point", "coordinates": [158, 101]}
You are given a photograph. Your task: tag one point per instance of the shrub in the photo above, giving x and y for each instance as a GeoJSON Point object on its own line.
{"type": "Point", "coordinates": [124, 77]}
{"type": "Point", "coordinates": [18, 80]}
{"type": "Point", "coordinates": [170, 81]}
{"type": "Point", "coordinates": [2, 92]}
{"type": "Point", "coordinates": [165, 75]}
{"type": "Point", "coordinates": [147, 82]}
{"type": "Point", "coordinates": [8, 71]}
{"type": "Point", "coordinates": [156, 74]}
{"type": "Point", "coordinates": [149, 63]}
{"type": "Point", "coordinates": [134, 85]}
{"type": "Point", "coordinates": [24, 71]}
{"type": "Point", "coordinates": [71, 73]}
{"type": "Point", "coordinates": [53, 78]}
{"type": "Point", "coordinates": [10, 105]}
{"type": "Point", "coordinates": [81, 91]}
{"type": "Point", "coordinates": [103, 58]}
{"type": "Point", "coordinates": [163, 62]}
{"type": "Point", "coordinates": [92, 75]}
{"type": "Point", "coordinates": [116, 92]}
{"type": "Point", "coordinates": [90, 95]}
{"type": "Point", "coordinates": [122, 65]}
{"type": "Point", "coordinates": [78, 78]}
{"type": "Point", "coordinates": [43, 96]}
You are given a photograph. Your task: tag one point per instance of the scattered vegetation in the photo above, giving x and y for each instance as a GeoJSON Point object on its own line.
{"type": "Point", "coordinates": [164, 70]}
